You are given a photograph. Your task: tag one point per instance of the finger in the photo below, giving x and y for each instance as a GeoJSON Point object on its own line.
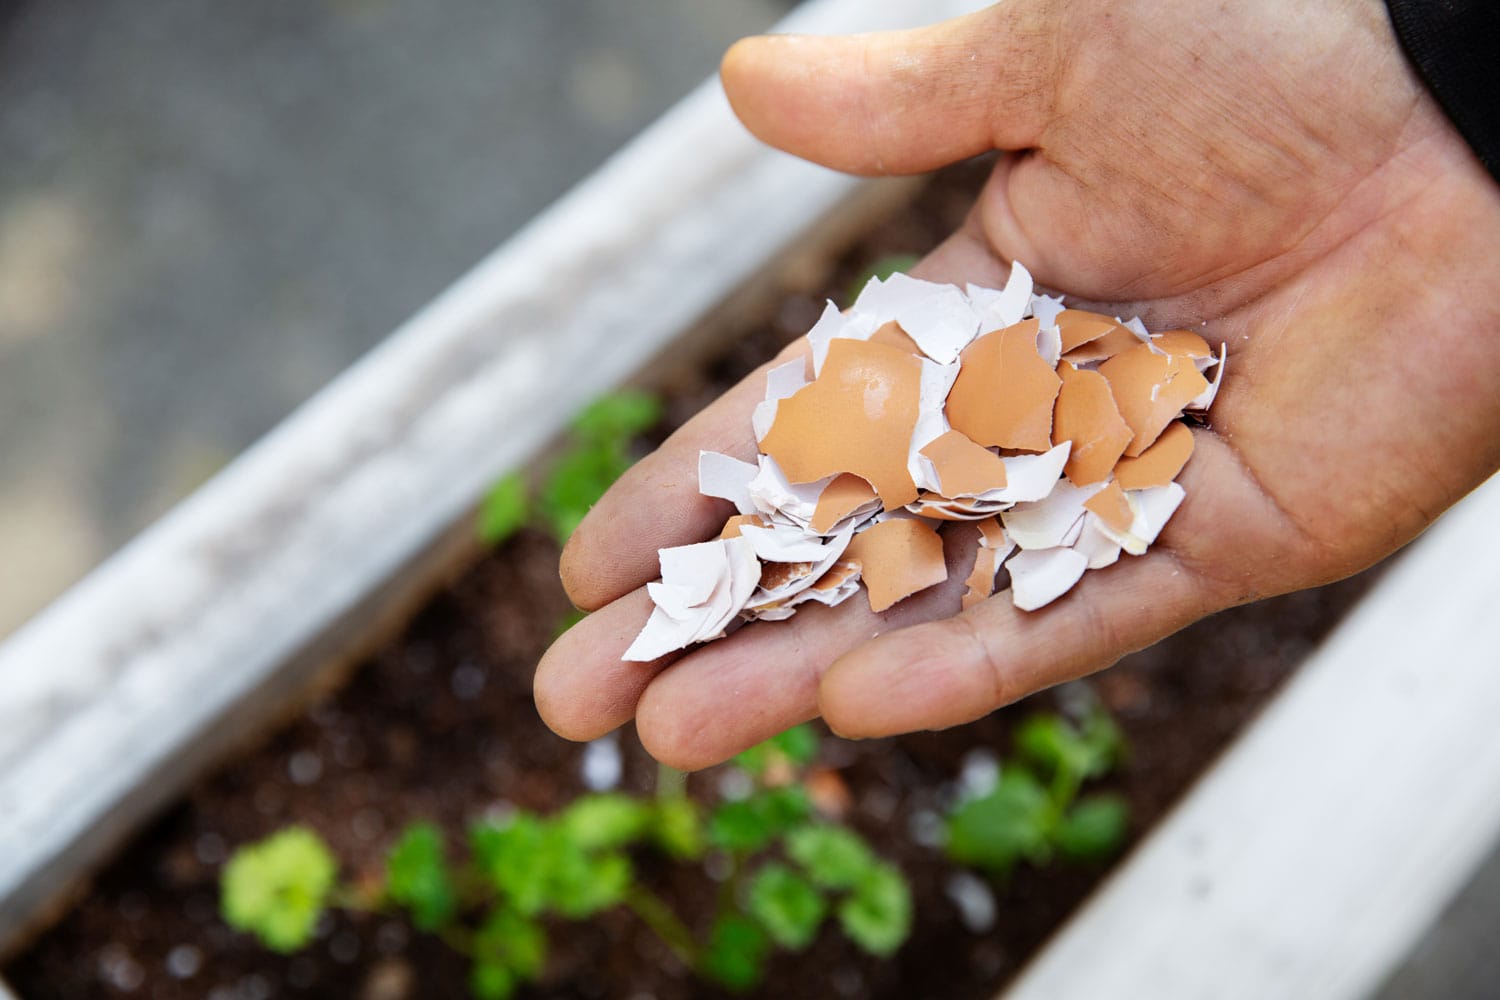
{"type": "Point", "coordinates": [736, 692]}
{"type": "Point", "coordinates": [901, 101]}
{"type": "Point", "coordinates": [1216, 551]}
{"type": "Point", "coordinates": [583, 689]}
{"type": "Point", "coordinates": [656, 503]}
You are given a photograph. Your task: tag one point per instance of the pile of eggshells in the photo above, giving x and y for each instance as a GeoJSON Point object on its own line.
{"type": "Point", "coordinates": [1056, 432]}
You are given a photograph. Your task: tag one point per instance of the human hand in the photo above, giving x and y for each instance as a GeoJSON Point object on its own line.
{"type": "Point", "coordinates": [1273, 169]}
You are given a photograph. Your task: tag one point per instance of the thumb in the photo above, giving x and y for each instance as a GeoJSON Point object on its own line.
{"type": "Point", "coordinates": [901, 102]}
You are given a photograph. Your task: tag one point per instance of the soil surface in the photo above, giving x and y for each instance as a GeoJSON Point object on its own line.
{"type": "Point", "coordinates": [440, 724]}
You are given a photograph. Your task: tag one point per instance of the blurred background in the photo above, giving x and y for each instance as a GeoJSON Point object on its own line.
{"type": "Point", "coordinates": [208, 210]}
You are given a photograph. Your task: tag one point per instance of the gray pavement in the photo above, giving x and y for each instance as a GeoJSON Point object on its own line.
{"type": "Point", "coordinates": [208, 209]}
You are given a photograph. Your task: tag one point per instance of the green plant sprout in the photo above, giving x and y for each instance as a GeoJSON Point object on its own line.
{"type": "Point", "coordinates": [596, 453]}
{"type": "Point", "coordinates": [787, 873]}
{"type": "Point", "coordinates": [1034, 812]}
{"type": "Point", "coordinates": [883, 268]}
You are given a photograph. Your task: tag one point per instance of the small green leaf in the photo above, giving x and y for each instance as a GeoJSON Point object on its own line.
{"type": "Point", "coordinates": [1011, 822]}
{"type": "Point", "coordinates": [752, 823]}
{"type": "Point", "coordinates": [1095, 828]}
{"type": "Point", "coordinates": [513, 857]}
{"type": "Point", "coordinates": [798, 745]}
{"type": "Point", "coordinates": [276, 889]}
{"type": "Point", "coordinates": [1051, 742]}
{"type": "Point", "coordinates": [513, 941]}
{"type": "Point", "coordinates": [577, 481]}
{"type": "Point", "coordinates": [833, 856]}
{"type": "Point", "coordinates": [877, 915]}
{"type": "Point", "coordinates": [786, 905]}
{"type": "Point", "coordinates": [736, 954]}
{"type": "Point", "coordinates": [504, 510]}
{"type": "Point", "coordinates": [785, 807]}
{"type": "Point", "coordinates": [1105, 742]}
{"type": "Point", "coordinates": [1048, 742]}
{"type": "Point", "coordinates": [619, 416]}
{"type": "Point", "coordinates": [568, 620]}
{"type": "Point", "coordinates": [491, 981]}
{"type": "Point", "coordinates": [740, 827]}
{"type": "Point", "coordinates": [596, 822]}
{"type": "Point", "coordinates": [416, 876]}
{"type": "Point", "coordinates": [580, 884]}
{"type": "Point", "coordinates": [883, 268]}
{"type": "Point", "coordinates": [678, 828]}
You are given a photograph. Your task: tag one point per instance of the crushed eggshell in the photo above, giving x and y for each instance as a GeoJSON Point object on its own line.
{"type": "Point", "coordinates": [897, 558]}
{"type": "Point", "coordinates": [1056, 432]}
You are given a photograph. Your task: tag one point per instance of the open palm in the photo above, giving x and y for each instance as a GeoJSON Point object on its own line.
{"type": "Point", "coordinates": [1273, 170]}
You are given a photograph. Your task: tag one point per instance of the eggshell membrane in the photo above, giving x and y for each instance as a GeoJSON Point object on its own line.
{"type": "Point", "coordinates": [1114, 342]}
{"type": "Point", "coordinates": [1079, 327]}
{"type": "Point", "coordinates": [1159, 464]}
{"type": "Point", "coordinates": [857, 416]}
{"type": "Point", "coordinates": [981, 581]}
{"type": "Point", "coordinates": [963, 467]}
{"type": "Point", "coordinates": [1004, 392]}
{"type": "Point", "coordinates": [1151, 390]}
{"type": "Point", "coordinates": [892, 335]}
{"type": "Point", "coordinates": [897, 558]}
{"type": "Point", "coordinates": [1184, 343]}
{"type": "Point", "coordinates": [733, 525]}
{"type": "Point", "coordinates": [1111, 506]}
{"type": "Point", "coordinates": [939, 508]}
{"type": "Point", "coordinates": [840, 498]}
{"type": "Point", "coordinates": [1086, 414]}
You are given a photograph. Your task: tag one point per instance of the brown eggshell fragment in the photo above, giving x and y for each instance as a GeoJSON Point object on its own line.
{"type": "Point", "coordinates": [1159, 464]}
{"type": "Point", "coordinates": [1112, 343]}
{"type": "Point", "coordinates": [892, 335]}
{"type": "Point", "coordinates": [898, 558]}
{"type": "Point", "coordinates": [733, 525]}
{"type": "Point", "coordinates": [963, 467]}
{"type": "Point", "coordinates": [857, 416]}
{"type": "Point", "coordinates": [993, 532]}
{"type": "Point", "coordinates": [1112, 507]}
{"type": "Point", "coordinates": [839, 572]}
{"type": "Point", "coordinates": [981, 581]}
{"type": "Point", "coordinates": [1004, 391]}
{"type": "Point", "coordinates": [1150, 389]}
{"type": "Point", "coordinates": [1078, 327]}
{"type": "Point", "coordinates": [1086, 414]}
{"type": "Point", "coordinates": [840, 498]}
{"type": "Point", "coordinates": [1182, 342]}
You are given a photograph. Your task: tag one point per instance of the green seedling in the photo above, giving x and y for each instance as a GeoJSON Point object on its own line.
{"type": "Point", "coordinates": [597, 451]}
{"type": "Point", "coordinates": [883, 268]}
{"type": "Point", "coordinates": [789, 873]}
{"type": "Point", "coordinates": [1035, 811]}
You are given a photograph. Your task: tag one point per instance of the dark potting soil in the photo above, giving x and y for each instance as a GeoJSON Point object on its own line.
{"type": "Point", "coordinates": [440, 725]}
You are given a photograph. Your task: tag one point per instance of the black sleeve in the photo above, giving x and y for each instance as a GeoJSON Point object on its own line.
{"type": "Point", "coordinates": [1455, 45]}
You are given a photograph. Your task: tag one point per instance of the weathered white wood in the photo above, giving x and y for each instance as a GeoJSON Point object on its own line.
{"type": "Point", "coordinates": [116, 695]}
{"type": "Point", "coordinates": [1310, 860]}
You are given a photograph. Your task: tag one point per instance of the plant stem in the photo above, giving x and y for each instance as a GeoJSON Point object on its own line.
{"type": "Point", "coordinates": [1065, 785]}
{"type": "Point", "coordinates": [670, 783]}
{"type": "Point", "coordinates": [658, 916]}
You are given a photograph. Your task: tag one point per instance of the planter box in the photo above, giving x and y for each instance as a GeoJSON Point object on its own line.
{"type": "Point", "coordinates": [307, 550]}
